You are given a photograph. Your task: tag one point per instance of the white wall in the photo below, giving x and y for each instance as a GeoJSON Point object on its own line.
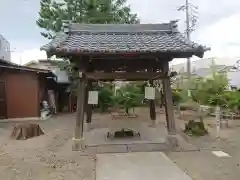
{"type": "Point", "coordinates": [5, 53]}
{"type": "Point", "coordinates": [204, 63]}
{"type": "Point", "coordinates": [62, 76]}
{"type": "Point", "coordinates": [234, 78]}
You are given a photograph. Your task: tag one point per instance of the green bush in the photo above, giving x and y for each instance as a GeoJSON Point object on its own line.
{"type": "Point", "coordinates": [128, 97]}
{"type": "Point", "coordinates": [189, 105]}
{"type": "Point", "coordinates": [105, 97]}
{"type": "Point", "coordinates": [218, 99]}
{"type": "Point", "coordinates": [233, 100]}
{"type": "Point", "coordinates": [177, 98]}
{"type": "Point", "coordinates": [210, 91]}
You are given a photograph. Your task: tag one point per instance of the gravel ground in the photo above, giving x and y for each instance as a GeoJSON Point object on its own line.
{"type": "Point", "coordinates": [49, 157]}
{"type": "Point", "coordinates": [38, 158]}
{"type": "Point", "coordinates": [203, 165]}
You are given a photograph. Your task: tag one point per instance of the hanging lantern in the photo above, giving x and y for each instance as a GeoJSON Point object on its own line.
{"type": "Point", "coordinates": [150, 93]}
{"type": "Point", "coordinates": [93, 97]}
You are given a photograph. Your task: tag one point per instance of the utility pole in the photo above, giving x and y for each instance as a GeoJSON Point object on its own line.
{"type": "Point", "coordinates": [189, 39]}
{"type": "Point", "coordinates": [191, 20]}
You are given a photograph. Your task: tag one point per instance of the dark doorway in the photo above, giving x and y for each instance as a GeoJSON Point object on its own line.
{"type": "Point", "coordinates": [3, 113]}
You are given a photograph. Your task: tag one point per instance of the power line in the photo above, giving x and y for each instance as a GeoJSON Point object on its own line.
{"type": "Point", "coordinates": [191, 12]}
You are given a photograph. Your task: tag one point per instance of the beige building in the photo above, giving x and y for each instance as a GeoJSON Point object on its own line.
{"type": "Point", "coordinates": [5, 53]}
{"type": "Point", "coordinates": [62, 76]}
{"type": "Point", "coordinates": [204, 68]}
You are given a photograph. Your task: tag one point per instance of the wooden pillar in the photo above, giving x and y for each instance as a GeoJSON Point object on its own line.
{"type": "Point", "coordinates": [88, 106]}
{"type": "Point", "coordinates": [169, 108]}
{"type": "Point", "coordinates": [162, 98]}
{"type": "Point", "coordinates": [152, 105]}
{"type": "Point", "coordinates": [69, 102]}
{"type": "Point", "coordinates": [78, 134]}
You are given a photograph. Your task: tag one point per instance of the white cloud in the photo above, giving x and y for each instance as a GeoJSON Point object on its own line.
{"type": "Point", "coordinates": [223, 37]}
{"type": "Point", "coordinates": [222, 34]}
{"type": "Point", "coordinates": [27, 55]}
{"type": "Point", "coordinates": [23, 51]}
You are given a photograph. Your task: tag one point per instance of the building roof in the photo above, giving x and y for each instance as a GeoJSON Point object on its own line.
{"type": "Point", "coordinates": [62, 76]}
{"type": "Point", "coordinates": [48, 61]}
{"type": "Point", "coordinates": [10, 65]}
{"type": "Point", "coordinates": [3, 61]}
{"type": "Point", "coordinates": [123, 38]}
{"type": "Point", "coordinates": [42, 61]}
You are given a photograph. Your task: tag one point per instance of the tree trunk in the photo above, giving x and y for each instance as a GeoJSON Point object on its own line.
{"type": "Point", "coordinates": [127, 110]}
{"type": "Point", "coordinates": [26, 131]}
{"type": "Point", "coordinates": [161, 99]}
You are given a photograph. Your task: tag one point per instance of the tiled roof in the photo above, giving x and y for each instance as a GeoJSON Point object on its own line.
{"type": "Point", "coordinates": [5, 62]}
{"type": "Point", "coordinates": [121, 38]}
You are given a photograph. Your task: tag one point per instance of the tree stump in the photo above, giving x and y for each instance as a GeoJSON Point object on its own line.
{"type": "Point", "coordinates": [26, 131]}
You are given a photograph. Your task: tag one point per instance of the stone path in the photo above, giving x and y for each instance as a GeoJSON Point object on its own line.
{"type": "Point", "coordinates": [137, 166]}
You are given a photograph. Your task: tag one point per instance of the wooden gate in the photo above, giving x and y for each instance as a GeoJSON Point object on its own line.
{"type": "Point", "coordinates": [3, 113]}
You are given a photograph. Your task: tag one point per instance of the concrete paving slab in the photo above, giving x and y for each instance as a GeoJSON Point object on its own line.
{"type": "Point", "coordinates": [220, 154]}
{"type": "Point", "coordinates": [137, 166]}
{"type": "Point", "coordinates": [148, 147]}
{"type": "Point", "coordinates": [112, 149]}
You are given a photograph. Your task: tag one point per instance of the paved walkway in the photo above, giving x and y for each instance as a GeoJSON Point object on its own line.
{"type": "Point", "coordinates": [137, 166]}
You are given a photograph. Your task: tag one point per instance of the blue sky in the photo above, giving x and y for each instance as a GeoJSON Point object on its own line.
{"type": "Point", "coordinates": [217, 25]}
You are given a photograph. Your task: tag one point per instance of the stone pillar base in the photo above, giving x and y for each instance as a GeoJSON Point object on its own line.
{"type": "Point", "coordinates": [78, 144]}
{"type": "Point", "coordinates": [223, 124]}
{"type": "Point", "coordinates": [87, 127]}
{"type": "Point", "coordinates": [153, 124]}
{"type": "Point", "coordinates": [172, 140]}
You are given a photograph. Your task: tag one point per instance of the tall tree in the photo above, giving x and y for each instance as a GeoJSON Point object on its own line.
{"type": "Point", "coordinates": [53, 13]}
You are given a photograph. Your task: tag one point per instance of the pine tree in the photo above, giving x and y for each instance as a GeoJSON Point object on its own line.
{"type": "Point", "coordinates": [53, 13]}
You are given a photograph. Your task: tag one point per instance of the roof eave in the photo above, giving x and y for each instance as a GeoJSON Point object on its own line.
{"type": "Point", "coordinates": [199, 54]}
{"type": "Point", "coordinates": [201, 50]}
{"type": "Point", "coordinates": [51, 50]}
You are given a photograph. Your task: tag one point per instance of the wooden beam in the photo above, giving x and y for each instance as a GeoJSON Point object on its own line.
{"type": "Point", "coordinates": [152, 106]}
{"type": "Point", "coordinates": [88, 106]}
{"type": "Point", "coordinates": [78, 143]}
{"type": "Point", "coordinates": [109, 55]}
{"type": "Point", "coordinates": [114, 55]}
{"type": "Point", "coordinates": [128, 76]}
{"type": "Point", "coordinates": [169, 108]}
{"type": "Point", "coordinates": [125, 64]}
